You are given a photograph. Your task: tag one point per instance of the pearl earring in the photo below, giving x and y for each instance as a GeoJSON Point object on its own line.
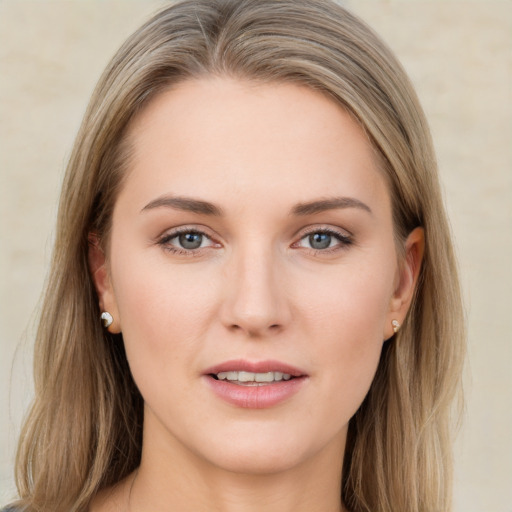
{"type": "Point", "coordinates": [106, 319]}
{"type": "Point", "coordinates": [395, 325]}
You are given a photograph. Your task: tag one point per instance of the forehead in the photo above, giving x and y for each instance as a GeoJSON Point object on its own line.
{"type": "Point", "coordinates": [282, 142]}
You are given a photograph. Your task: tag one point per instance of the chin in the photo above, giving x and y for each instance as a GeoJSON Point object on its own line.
{"type": "Point", "coordinates": [260, 453]}
{"type": "Point", "coordinates": [263, 462]}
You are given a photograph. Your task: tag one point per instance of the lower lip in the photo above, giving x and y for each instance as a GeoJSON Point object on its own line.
{"type": "Point", "coordinates": [255, 397]}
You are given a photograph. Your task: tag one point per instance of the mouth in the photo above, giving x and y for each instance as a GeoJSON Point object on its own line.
{"type": "Point", "coordinates": [255, 385]}
{"type": "Point", "coordinates": [249, 373]}
{"type": "Point", "coordinates": [243, 378]}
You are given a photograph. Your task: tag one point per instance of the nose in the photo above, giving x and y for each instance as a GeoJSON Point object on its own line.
{"type": "Point", "coordinates": [255, 302]}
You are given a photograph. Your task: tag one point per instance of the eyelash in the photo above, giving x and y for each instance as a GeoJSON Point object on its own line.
{"type": "Point", "coordinates": [344, 241]}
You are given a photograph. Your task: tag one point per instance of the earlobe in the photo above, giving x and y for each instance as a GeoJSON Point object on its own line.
{"type": "Point", "coordinates": [407, 279]}
{"type": "Point", "coordinates": [101, 278]}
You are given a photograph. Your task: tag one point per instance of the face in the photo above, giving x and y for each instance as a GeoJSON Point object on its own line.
{"type": "Point", "coordinates": [252, 271]}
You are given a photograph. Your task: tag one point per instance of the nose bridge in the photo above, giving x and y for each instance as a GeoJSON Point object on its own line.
{"type": "Point", "coordinates": [255, 301]}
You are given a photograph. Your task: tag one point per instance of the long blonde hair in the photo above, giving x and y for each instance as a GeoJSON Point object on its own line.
{"type": "Point", "coordinates": [84, 430]}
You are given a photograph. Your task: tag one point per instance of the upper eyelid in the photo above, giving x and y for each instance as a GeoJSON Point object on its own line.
{"type": "Point", "coordinates": [342, 238]}
{"type": "Point", "coordinates": [178, 230]}
{"type": "Point", "coordinates": [343, 233]}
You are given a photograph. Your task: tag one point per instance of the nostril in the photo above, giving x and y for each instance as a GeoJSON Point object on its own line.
{"type": "Point", "coordinates": [255, 329]}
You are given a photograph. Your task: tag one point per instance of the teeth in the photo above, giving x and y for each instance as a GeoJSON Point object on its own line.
{"type": "Point", "coordinates": [253, 377]}
{"type": "Point", "coordinates": [245, 377]}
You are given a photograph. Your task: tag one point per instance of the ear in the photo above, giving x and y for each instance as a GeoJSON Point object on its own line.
{"type": "Point", "coordinates": [101, 278]}
{"type": "Point", "coordinates": [406, 280]}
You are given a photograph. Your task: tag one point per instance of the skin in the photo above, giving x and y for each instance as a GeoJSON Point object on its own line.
{"type": "Point", "coordinates": [257, 288]}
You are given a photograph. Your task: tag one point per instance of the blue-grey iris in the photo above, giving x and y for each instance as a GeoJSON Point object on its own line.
{"type": "Point", "coordinates": [320, 240]}
{"type": "Point", "coordinates": [191, 240]}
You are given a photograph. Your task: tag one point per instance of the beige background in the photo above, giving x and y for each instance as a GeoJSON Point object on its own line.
{"type": "Point", "coordinates": [459, 54]}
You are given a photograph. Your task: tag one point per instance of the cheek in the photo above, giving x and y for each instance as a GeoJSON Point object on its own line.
{"type": "Point", "coordinates": [346, 319]}
{"type": "Point", "coordinates": [164, 311]}
{"type": "Point", "coordinates": [350, 303]}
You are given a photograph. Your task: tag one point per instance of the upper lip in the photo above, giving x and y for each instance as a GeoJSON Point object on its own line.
{"type": "Point", "coordinates": [255, 367]}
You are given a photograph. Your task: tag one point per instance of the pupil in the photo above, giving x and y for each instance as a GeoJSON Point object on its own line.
{"type": "Point", "coordinates": [190, 240]}
{"type": "Point", "coordinates": [320, 240]}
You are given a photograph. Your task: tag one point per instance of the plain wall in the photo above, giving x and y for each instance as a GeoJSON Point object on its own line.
{"type": "Point", "coordinates": [459, 55]}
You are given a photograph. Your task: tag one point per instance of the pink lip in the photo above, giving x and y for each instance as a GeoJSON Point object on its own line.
{"type": "Point", "coordinates": [255, 397]}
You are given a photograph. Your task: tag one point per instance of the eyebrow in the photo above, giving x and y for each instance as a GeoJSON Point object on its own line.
{"type": "Point", "coordinates": [186, 204]}
{"type": "Point", "coordinates": [332, 203]}
{"type": "Point", "coordinates": [199, 206]}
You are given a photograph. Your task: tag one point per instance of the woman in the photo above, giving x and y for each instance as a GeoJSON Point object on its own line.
{"type": "Point", "coordinates": [253, 302]}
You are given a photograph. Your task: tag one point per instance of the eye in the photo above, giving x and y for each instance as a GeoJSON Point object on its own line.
{"type": "Point", "coordinates": [185, 241]}
{"type": "Point", "coordinates": [325, 240]}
